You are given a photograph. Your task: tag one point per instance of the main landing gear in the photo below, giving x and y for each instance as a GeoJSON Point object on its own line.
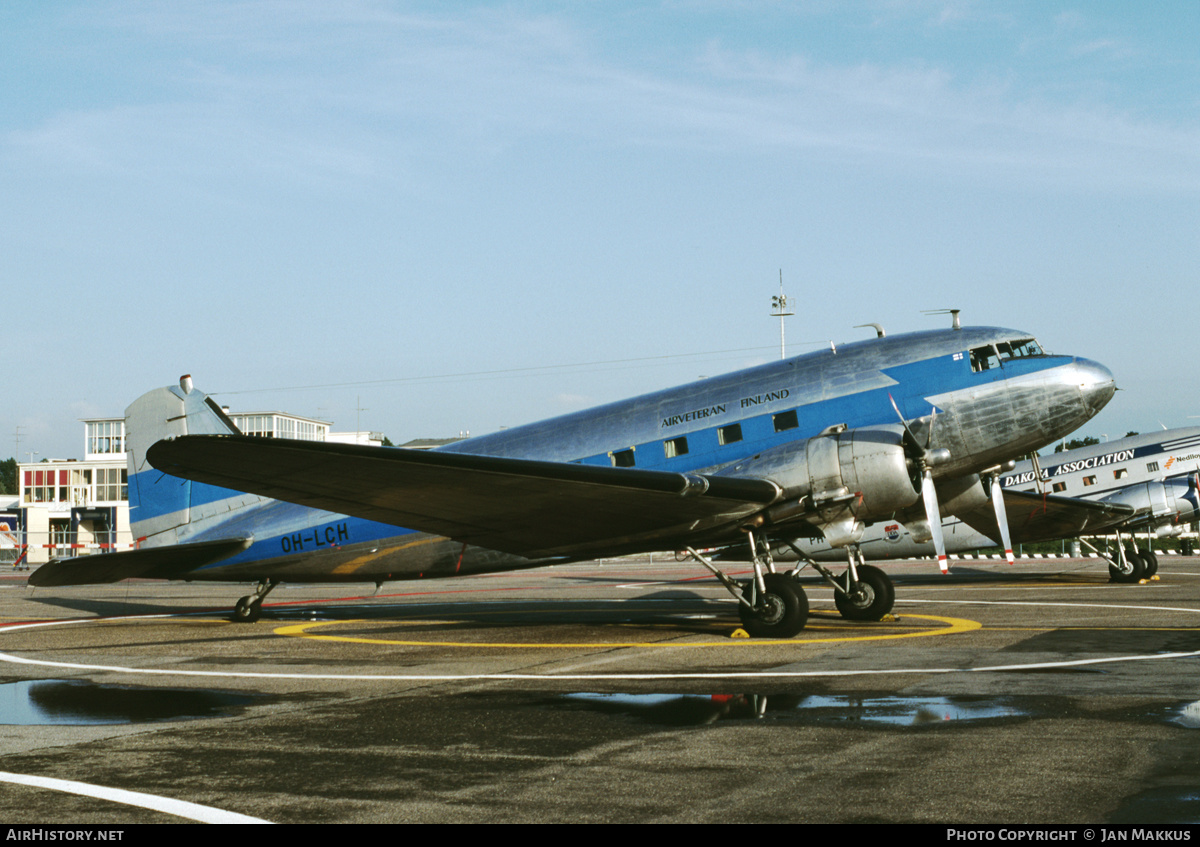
{"type": "Point", "coordinates": [774, 605]}
{"type": "Point", "coordinates": [1129, 565]}
{"type": "Point", "coordinates": [249, 608]}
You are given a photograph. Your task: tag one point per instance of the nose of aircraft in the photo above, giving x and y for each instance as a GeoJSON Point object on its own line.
{"type": "Point", "coordinates": [1096, 383]}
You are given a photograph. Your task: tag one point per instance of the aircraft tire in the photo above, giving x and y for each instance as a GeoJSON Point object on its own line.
{"type": "Point", "coordinates": [1133, 572]}
{"type": "Point", "coordinates": [246, 610]}
{"type": "Point", "coordinates": [876, 596]}
{"type": "Point", "coordinates": [1151, 560]}
{"type": "Point", "coordinates": [782, 613]}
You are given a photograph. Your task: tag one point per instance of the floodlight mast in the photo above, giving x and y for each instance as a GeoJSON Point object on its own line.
{"type": "Point", "coordinates": [779, 310]}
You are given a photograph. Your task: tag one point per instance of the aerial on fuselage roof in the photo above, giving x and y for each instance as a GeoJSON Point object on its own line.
{"type": "Point", "coordinates": [824, 443]}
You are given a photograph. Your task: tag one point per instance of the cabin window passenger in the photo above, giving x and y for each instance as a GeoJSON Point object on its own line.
{"type": "Point", "coordinates": [729, 434]}
{"type": "Point", "coordinates": [1120, 473]}
{"type": "Point", "coordinates": [675, 447]}
{"type": "Point", "coordinates": [1152, 466]}
{"type": "Point", "coordinates": [622, 458]}
{"type": "Point", "coordinates": [785, 420]}
{"type": "Point", "coordinates": [1059, 486]}
{"type": "Point", "coordinates": [1089, 480]}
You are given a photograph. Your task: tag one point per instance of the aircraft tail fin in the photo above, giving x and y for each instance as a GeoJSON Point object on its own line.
{"type": "Point", "coordinates": [165, 509]}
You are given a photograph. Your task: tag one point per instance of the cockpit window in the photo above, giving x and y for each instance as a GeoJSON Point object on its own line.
{"type": "Point", "coordinates": [994, 355]}
{"type": "Point", "coordinates": [1019, 349]}
{"type": "Point", "coordinates": [984, 358]}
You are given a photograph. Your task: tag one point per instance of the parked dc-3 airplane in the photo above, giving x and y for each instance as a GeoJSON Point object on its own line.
{"type": "Point", "coordinates": [828, 441]}
{"type": "Point", "coordinates": [1142, 483]}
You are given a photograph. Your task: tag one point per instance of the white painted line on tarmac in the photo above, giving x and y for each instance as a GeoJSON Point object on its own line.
{"type": "Point", "coordinates": [612, 677]}
{"type": "Point", "coordinates": [1139, 607]}
{"type": "Point", "coordinates": [178, 808]}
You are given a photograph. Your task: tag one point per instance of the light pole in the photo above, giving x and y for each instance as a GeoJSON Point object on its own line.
{"type": "Point", "coordinates": [779, 310]}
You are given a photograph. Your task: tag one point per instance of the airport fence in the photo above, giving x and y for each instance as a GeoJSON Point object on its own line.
{"type": "Point", "coordinates": [19, 549]}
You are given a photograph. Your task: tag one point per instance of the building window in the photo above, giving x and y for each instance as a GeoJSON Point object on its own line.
{"type": "Point", "coordinates": [675, 447]}
{"type": "Point", "coordinates": [260, 426]}
{"type": "Point", "coordinates": [46, 486]}
{"type": "Point", "coordinates": [1089, 480]}
{"type": "Point", "coordinates": [280, 426]}
{"type": "Point", "coordinates": [622, 458]}
{"type": "Point", "coordinates": [785, 420]}
{"type": "Point", "coordinates": [1120, 473]}
{"type": "Point", "coordinates": [1060, 486]}
{"type": "Point", "coordinates": [1152, 466]}
{"type": "Point", "coordinates": [106, 437]}
{"type": "Point", "coordinates": [111, 484]}
{"type": "Point", "coordinates": [729, 434]}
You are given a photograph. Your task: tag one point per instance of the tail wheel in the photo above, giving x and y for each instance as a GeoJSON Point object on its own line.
{"type": "Point", "coordinates": [781, 612]}
{"type": "Point", "coordinates": [872, 598]}
{"type": "Point", "coordinates": [247, 610]}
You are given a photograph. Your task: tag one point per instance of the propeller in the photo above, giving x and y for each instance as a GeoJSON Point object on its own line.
{"type": "Point", "coordinates": [933, 515]}
{"type": "Point", "coordinates": [1001, 517]}
{"type": "Point", "coordinates": [926, 458]}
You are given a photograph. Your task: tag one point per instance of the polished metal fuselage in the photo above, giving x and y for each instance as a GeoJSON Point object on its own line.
{"type": "Point", "coordinates": [982, 419]}
{"type": "Point", "coordinates": [709, 426]}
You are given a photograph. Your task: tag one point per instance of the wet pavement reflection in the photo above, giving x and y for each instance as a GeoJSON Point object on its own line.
{"type": "Point", "coordinates": [695, 709]}
{"type": "Point", "coordinates": [77, 703]}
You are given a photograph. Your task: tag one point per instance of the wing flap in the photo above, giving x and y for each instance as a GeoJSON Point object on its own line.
{"type": "Point", "coordinates": [521, 506]}
{"type": "Point", "coordinates": [168, 562]}
{"type": "Point", "coordinates": [1046, 517]}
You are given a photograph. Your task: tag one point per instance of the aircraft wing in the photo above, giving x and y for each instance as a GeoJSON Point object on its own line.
{"type": "Point", "coordinates": [1046, 517]}
{"type": "Point", "coordinates": [530, 508]}
{"type": "Point", "coordinates": [169, 562]}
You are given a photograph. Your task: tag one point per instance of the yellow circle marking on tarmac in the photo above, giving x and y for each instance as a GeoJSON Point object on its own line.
{"type": "Point", "coordinates": [952, 627]}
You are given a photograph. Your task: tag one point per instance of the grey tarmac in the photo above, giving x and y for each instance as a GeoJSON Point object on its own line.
{"type": "Point", "coordinates": [611, 692]}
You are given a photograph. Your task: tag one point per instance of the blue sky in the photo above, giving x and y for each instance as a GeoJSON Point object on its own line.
{"type": "Point", "coordinates": [438, 217]}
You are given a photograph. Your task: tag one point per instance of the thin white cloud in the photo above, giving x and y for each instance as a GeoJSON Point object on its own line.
{"type": "Point", "coordinates": [358, 93]}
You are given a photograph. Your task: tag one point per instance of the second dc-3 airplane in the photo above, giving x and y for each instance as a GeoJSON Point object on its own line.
{"type": "Point", "coordinates": [828, 442]}
{"type": "Point", "coordinates": [1142, 483]}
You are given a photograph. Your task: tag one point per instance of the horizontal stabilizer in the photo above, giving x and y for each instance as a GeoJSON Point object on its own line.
{"type": "Point", "coordinates": [531, 508]}
{"type": "Point", "coordinates": [169, 562]}
{"type": "Point", "coordinates": [1047, 517]}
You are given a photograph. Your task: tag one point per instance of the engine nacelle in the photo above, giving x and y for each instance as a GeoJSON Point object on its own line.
{"type": "Point", "coordinates": [838, 479]}
{"type": "Point", "coordinates": [1162, 505]}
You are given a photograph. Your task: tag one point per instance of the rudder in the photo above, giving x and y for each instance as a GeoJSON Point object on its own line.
{"type": "Point", "coordinates": [162, 507]}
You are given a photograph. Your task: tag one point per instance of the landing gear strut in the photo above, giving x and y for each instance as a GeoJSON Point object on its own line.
{"type": "Point", "coordinates": [249, 608]}
{"type": "Point", "coordinates": [771, 605]}
{"type": "Point", "coordinates": [862, 593]}
{"type": "Point", "coordinates": [1128, 566]}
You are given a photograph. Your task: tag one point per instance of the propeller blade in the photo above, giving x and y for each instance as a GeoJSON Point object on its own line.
{"type": "Point", "coordinates": [912, 438]}
{"type": "Point", "coordinates": [1001, 517]}
{"type": "Point", "coordinates": [934, 516]}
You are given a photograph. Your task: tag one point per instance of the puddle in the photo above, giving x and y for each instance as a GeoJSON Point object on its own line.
{"type": "Point", "coordinates": [697, 709]}
{"type": "Point", "coordinates": [76, 703]}
{"type": "Point", "coordinates": [1168, 805]}
{"type": "Point", "coordinates": [1187, 715]}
